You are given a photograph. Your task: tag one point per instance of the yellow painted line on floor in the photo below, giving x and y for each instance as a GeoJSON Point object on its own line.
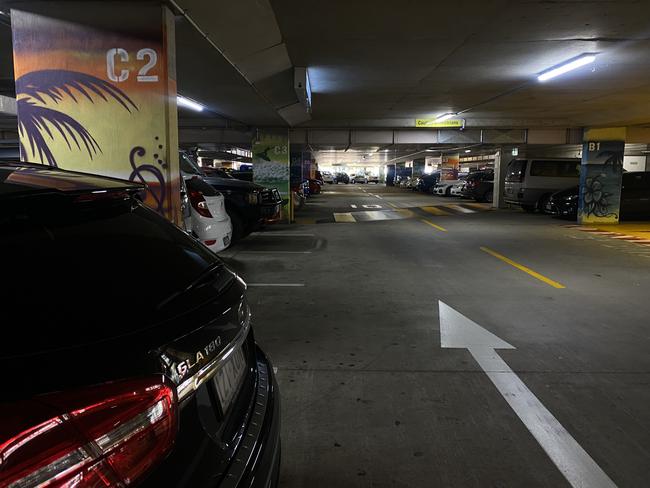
{"type": "Point", "coordinates": [435, 226]}
{"type": "Point", "coordinates": [434, 211]}
{"type": "Point", "coordinates": [344, 217]}
{"type": "Point", "coordinates": [404, 212]}
{"type": "Point", "coordinates": [459, 208]}
{"type": "Point", "coordinates": [523, 268]}
{"type": "Point", "coordinates": [478, 206]}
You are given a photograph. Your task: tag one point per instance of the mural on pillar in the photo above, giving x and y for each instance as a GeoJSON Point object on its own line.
{"type": "Point", "coordinates": [450, 167]}
{"type": "Point", "coordinates": [600, 181]}
{"type": "Point", "coordinates": [97, 101]}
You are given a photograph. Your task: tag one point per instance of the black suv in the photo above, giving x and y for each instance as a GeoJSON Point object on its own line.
{"type": "Point", "coordinates": [132, 359]}
{"type": "Point", "coordinates": [635, 198]}
{"type": "Point", "coordinates": [480, 185]}
{"type": "Point", "coordinates": [248, 205]}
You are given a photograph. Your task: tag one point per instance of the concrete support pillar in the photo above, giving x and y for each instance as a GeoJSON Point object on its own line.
{"type": "Point", "coordinates": [601, 175]}
{"type": "Point", "coordinates": [271, 165]}
{"type": "Point", "coordinates": [504, 155]}
{"type": "Point", "coordinates": [96, 91]}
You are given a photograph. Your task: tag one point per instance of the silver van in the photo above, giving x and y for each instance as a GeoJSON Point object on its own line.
{"type": "Point", "coordinates": [530, 182]}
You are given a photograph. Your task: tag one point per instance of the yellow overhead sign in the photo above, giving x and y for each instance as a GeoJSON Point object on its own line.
{"type": "Point", "coordinates": [451, 123]}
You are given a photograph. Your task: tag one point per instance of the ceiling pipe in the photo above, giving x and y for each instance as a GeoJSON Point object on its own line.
{"type": "Point", "coordinates": [183, 12]}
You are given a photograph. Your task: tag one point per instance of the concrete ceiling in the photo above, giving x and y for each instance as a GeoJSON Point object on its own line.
{"type": "Point", "coordinates": [385, 63]}
{"type": "Point", "coordinates": [381, 63]}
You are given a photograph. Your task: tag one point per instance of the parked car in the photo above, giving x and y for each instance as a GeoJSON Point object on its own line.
{"type": "Point", "coordinates": [341, 178]}
{"type": "Point", "coordinates": [206, 217]}
{"type": "Point", "coordinates": [635, 198]}
{"type": "Point", "coordinates": [444, 187]}
{"type": "Point", "coordinates": [314, 186]}
{"type": "Point", "coordinates": [479, 186]}
{"type": "Point", "coordinates": [328, 177]}
{"type": "Point", "coordinates": [248, 205]}
{"type": "Point", "coordinates": [153, 374]}
{"type": "Point", "coordinates": [373, 179]}
{"type": "Point", "coordinates": [529, 183]}
{"type": "Point", "coordinates": [360, 179]}
{"type": "Point", "coordinates": [426, 183]}
{"type": "Point", "coordinates": [563, 203]}
{"type": "Point", "coordinates": [412, 182]}
{"type": "Point", "coordinates": [299, 196]}
{"type": "Point", "coordinates": [457, 189]}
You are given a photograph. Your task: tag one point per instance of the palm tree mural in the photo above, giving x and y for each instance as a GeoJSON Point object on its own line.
{"type": "Point", "coordinates": [37, 122]}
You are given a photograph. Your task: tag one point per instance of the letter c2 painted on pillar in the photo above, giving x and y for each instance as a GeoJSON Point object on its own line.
{"type": "Point", "coordinates": [143, 76]}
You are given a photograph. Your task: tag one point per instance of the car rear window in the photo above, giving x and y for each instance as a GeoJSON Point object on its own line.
{"type": "Point", "coordinates": [516, 171]}
{"type": "Point", "coordinates": [187, 165]}
{"type": "Point", "coordinates": [77, 270]}
{"type": "Point", "coordinates": [556, 169]}
{"type": "Point", "coordinates": [198, 184]}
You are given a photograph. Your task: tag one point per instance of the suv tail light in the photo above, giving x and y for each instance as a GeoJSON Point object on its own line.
{"type": "Point", "coordinates": [199, 204]}
{"type": "Point", "coordinates": [106, 436]}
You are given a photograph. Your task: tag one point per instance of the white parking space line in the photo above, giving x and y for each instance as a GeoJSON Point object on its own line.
{"type": "Point", "coordinates": [459, 208]}
{"type": "Point", "coordinates": [378, 216]}
{"type": "Point", "coordinates": [344, 217]}
{"type": "Point", "coordinates": [579, 469]}
{"type": "Point", "coordinates": [280, 234]}
{"type": "Point", "coordinates": [275, 252]}
{"type": "Point", "coordinates": [293, 285]}
{"type": "Point", "coordinates": [353, 206]}
{"type": "Point", "coordinates": [380, 197]}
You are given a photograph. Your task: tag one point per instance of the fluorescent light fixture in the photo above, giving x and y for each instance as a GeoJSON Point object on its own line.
{"type": "Point", "coordinates": [443, 117]}
{"type": "Point", "coordinates": [468, 150]}
{"type": "Point", "coordinates": [568, 66]}
{"type": "Point", "coordinates": [187, 103]}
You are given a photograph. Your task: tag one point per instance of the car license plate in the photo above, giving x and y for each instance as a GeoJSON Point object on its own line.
{"type": "Point", "coordinates": [229, 377]}
{"type": "Point", "coordinates": [226, 241]}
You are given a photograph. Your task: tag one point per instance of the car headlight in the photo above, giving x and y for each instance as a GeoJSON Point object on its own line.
{"type": "Point", "coordinates": [252, 198]}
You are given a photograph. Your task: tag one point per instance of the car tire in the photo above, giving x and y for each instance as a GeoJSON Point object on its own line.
{"type": "Point", "coordinates": [528, 208]}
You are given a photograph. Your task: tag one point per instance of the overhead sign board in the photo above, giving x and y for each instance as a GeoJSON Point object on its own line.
{"type": "Point", "coordinates": [445, 124]}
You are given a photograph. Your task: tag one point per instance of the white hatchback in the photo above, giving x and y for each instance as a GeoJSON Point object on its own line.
{"type": "Point", "coordinates": [207, 219]}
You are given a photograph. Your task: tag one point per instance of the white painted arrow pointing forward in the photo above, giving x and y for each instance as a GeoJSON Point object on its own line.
{"type": "Point", "coordinates": [580, 470]}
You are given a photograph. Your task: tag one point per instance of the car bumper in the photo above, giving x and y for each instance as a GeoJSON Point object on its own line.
{"type": "Point", "coordinates": [562, 209]}
{"type": "Point", "coordinates": [219, 231]}
{"type": "Point", "coordinates": [257, 461]}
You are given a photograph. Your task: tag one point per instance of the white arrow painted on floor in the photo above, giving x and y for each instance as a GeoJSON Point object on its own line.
{"type": "Point", "coordinates": [459, 332]}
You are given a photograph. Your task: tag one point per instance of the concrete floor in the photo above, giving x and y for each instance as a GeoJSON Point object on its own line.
{"type": "Point", "coordinates": [369, 397]}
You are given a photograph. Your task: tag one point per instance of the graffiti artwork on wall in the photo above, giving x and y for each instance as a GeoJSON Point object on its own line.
{"type": "Point", "coordinates": [600, 181]}
{"type": "Point", "coordinates": [95, 100]}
